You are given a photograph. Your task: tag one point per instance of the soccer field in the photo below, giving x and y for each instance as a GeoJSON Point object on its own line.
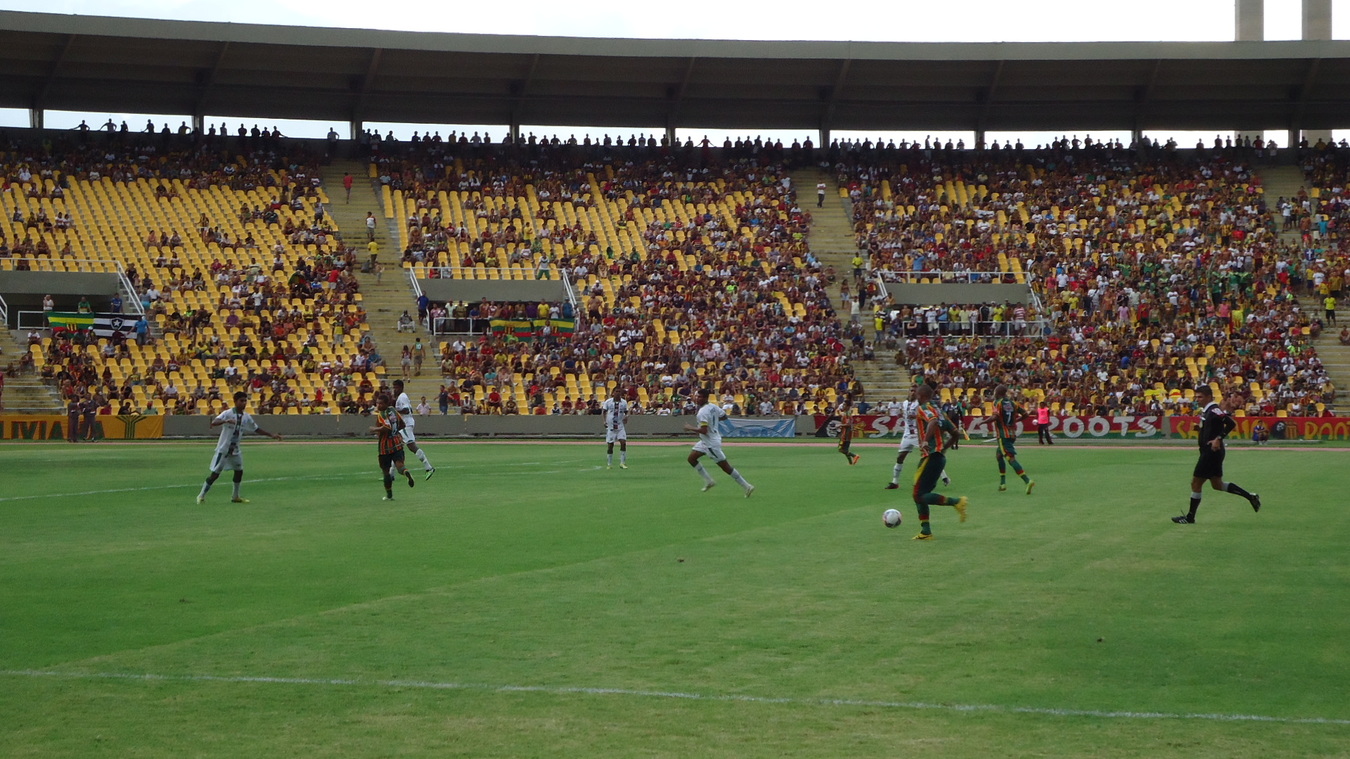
{"type": "Point", "coordinates": [527, 602]}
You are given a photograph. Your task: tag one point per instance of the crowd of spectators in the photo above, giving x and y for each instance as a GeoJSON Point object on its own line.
{"type": "Point", "coordinates": [1157, 270]}
{"type": "Point", "coordinates": [263, 317]}
{"type": "Point", "coordinates": [723, 286]}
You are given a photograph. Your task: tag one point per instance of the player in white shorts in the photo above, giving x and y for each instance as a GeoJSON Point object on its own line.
{"type": "Point", "coordinates": [615, 410]}
{"type": "Point", "coordinates": [403, 406]}
{"type": "Point", "coordinates": [234, 423]}
{"type": "Point", "coordinates": [908, 412]}
{"type": "Point", "coordinates": [710, 443]}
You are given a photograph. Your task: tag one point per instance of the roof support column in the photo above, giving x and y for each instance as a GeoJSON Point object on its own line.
{"type": "Point", "coordinates": [824, 138]}
{"type": "Point", "coordinates": [1251, 20]}
{"type": "Point", "coordinates": [1316, 26]}
{"type": "Point", "coordinates": [1316, 19]}
{"type": "Point", "coordinates": [36, 117]}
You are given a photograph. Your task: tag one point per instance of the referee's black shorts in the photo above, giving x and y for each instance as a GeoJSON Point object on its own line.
{"type": "Point", "coordinates": [1210, 464]}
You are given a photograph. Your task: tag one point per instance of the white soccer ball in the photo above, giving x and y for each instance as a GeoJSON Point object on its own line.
{"type": "Point", "coordinates": [891, 518]}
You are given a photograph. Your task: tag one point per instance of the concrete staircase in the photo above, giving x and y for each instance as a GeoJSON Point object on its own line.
{"type": "Point", "coordinates": [833, 243]}
{"type": "Point", "coordinates": [1334, 356]}
{"type": "Point", "coordinates": [389, 295]}
{"type": "Point", "coordinates": [1282, 182]}
{"type": "Point", "coordinates": [25, 394]}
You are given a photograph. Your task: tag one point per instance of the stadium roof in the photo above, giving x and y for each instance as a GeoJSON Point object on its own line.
{"type": "Point", "coordinates": [97, 64]}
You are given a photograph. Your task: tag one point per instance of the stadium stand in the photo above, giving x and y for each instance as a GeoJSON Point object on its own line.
{"type": "Point", "coordinates": [1159, 271]}
{"type": "Point", "coordinates": [244, 280]}
{"type": "Point", "coordinates": [1153, 271]}
{"type": "Point", "coordinates": [684, 275]}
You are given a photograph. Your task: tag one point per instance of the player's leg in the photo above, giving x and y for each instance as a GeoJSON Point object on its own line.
{"type": "Point", "coordinates": [694, 456]}
{"type": "Point", "coordinates": [1010, 453]}
{"type": "Point", "coordinates": [899, 467]}
{"type": "Point", "coordinates": [410, 443]}
{"type": "Point", "coordinates": [735, 475]}
{"type": "Point", "coordinates": [609, 455]}
{"type": "Point", "coordinates": [845, 440]}
{"type": "Point", "coordinates": [923, 484]}
{"type": "Point", "coordinates": [623, 453]}
{"type": "Point", "coordinates": [1002, 468]}
{"type": "Point", "coordinates": [217, 466]}
{"type": "Point", "coordinates": [238, 479]}
{"type": "Point", "coordinates": [387, 474]}
{"type": "Point", "coordinates": [402, 469]}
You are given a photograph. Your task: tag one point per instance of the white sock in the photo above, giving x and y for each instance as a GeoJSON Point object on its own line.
{"type": "Point", "coordinates": [609, 458]}
{"type": "Point", "coordinates": [703, 473]}
{"type": "Point", "coordinates": [422, 456]}
{"type": "Point", "coordinates": [736, 475]}
{"type": "Point", "coordinates": [236, 489]}
{"type": "Point", "coordinates": [623, 457]}
{"type": "Point", "coordinates": [895, 473]}
{"type": "Point", "coordinates": [205, 487]}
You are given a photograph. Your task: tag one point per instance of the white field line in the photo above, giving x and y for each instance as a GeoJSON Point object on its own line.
{"type": "Point", "coordinates": [185, 485]}
{"type": "Point", "coordinates": [562, 691]}
{"type": "Point", "coordinates": [189, 485]}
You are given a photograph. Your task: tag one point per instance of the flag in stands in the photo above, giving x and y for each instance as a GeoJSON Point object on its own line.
{"type": "Point", "coordinates": [532, 328]}
{"type": "Point", "coordinates": [102, 325]}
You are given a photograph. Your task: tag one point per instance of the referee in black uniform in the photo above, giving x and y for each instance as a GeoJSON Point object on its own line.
{"type": "Point", "coordinates": [1215, 424]}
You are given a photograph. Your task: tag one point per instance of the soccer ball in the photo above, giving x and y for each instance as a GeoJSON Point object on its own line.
{"type": "Point", "coordinates": [891, 518]}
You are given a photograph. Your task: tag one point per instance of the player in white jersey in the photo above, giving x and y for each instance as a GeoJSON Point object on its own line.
{"type": "Point", "coordinates": [908, 412]}
{"type": "Point", "coordinates": [615, 410]}
{"type": "Point", "coordinates": [234, 423]}
{"type": "Point", "coordinates": [403, 406]}
{"type": "Point", "coordinates": [710, 443]}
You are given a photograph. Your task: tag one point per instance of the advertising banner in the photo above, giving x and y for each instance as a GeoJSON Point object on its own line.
{"type": "Point", "coordinates": [1131, 427]}
{"type": "Point", "coordinates": [106, 427]}
{"type": "Point", "coordinates": [750, 427]}
{"type": "Point", "coordinates": [1279, 427]}
{"type": "Point", "coordinates": [1111, 427]}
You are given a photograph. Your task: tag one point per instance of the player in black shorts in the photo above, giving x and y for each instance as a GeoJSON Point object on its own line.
{"type": "Point", "coordinates": [387, 427]}
{"type": "Point", "coordinates": [1215, 424]}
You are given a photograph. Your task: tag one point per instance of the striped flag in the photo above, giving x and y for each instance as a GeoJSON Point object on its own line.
{"type": "Point", "coordinates": [101, 325]}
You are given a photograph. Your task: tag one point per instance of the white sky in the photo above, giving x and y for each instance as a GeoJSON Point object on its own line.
{"type": "Point", "coordinates": [859, 20]}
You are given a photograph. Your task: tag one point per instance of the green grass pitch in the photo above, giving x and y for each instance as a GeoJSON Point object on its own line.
{"type": "Point", "coordinates": [527, 602]}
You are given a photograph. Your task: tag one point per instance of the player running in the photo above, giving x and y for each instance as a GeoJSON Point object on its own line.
{"type": "Point", "coordinates": [228, 456]}
{"type": "Point", "coordinates": [710, 443]}
{"type": "Point", "coordinates": [403, 405]}
{"type": "Point", "coordinates": [932, 423]}
{"type": "Point", "coordinates": [908, 411]}
{"type": "Point", "coordinates": [1006, 416]}
{"type": "Point", "coordinates": [388, 429]}
{"type": "Point", "coordinates": [845, 413]}
{"type": "Point", "coordinates": [615, 410]}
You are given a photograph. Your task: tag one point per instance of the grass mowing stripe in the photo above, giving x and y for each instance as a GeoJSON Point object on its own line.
{"type": "Point", "coordinates": [595, 691]}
